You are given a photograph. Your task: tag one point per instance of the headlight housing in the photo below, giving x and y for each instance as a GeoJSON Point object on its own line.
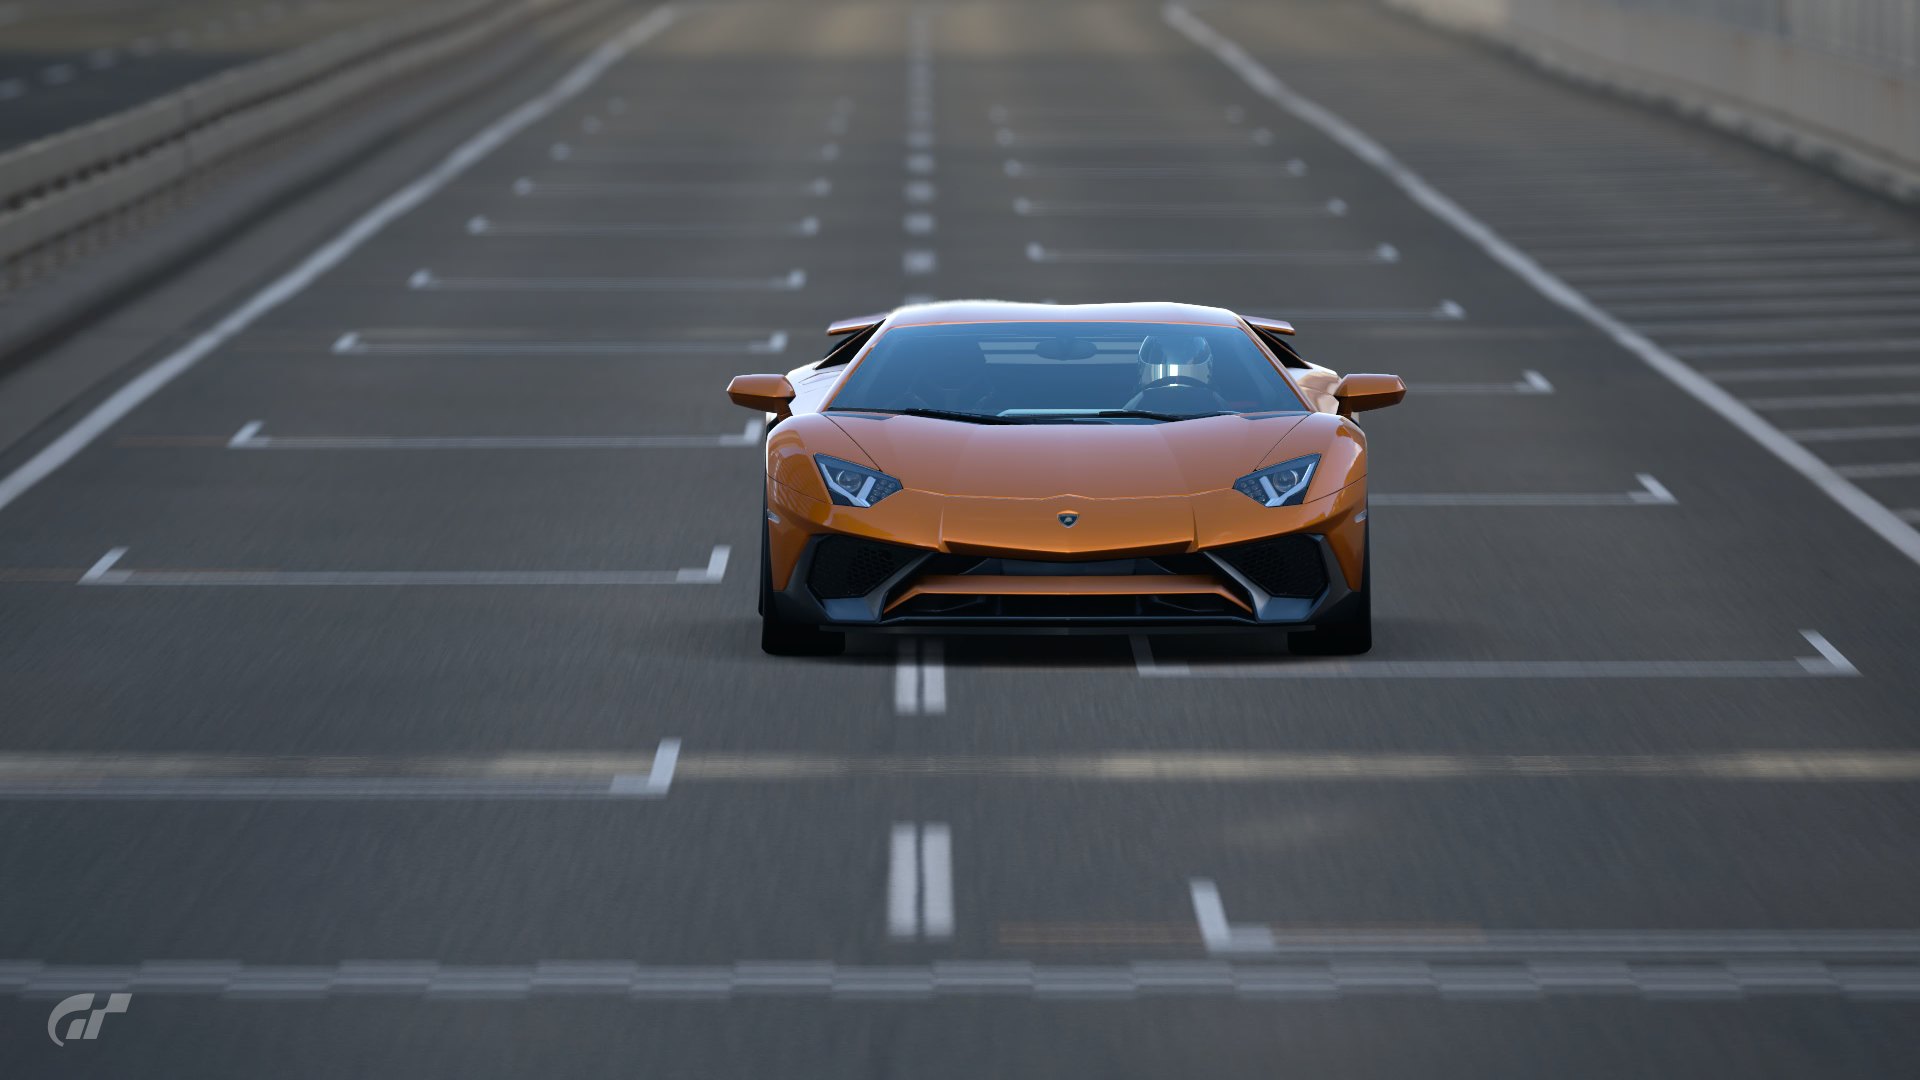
{"type": "Point", "coordinates": [854, 485]}
{"type": "Point", "coordinates": [1284, 484]}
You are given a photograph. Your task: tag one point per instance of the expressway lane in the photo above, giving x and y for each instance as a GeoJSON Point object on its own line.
{"type": "Point", "coordinates": [547, 401]}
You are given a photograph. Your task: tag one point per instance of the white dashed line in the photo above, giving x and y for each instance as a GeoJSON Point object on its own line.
{"type": "Point", "coordinates": [920, 678]}
{"type": "Point", "coordinates": [920, 882]}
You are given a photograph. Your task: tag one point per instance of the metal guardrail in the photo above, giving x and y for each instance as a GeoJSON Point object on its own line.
{"type": "Point", "coordinates": [67, 183]}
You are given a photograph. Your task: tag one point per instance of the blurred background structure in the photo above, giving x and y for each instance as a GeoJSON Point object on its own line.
{"type": "Point", "coordinates": [379, 682]}
{"type": "Point", "coordinates": [1833, 81]}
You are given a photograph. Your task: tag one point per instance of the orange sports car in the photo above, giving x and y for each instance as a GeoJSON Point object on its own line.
{"type": "Point", "coordinates": [1020, 467]}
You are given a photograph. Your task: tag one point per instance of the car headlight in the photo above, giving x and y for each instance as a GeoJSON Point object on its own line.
{"type": "Point", "coordinates": [1284, 484]}
{"type": "Point", "coordinates": [854, 485]}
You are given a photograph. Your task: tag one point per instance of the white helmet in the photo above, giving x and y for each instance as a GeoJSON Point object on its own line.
{"type": "Point", "coordinates": [1167, 356]}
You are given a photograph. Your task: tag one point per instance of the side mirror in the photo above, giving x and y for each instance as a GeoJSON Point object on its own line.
{"type": "Point", "coordinates": [1358, 393]}
{"type": "Point", "coordinates": [761, 393]}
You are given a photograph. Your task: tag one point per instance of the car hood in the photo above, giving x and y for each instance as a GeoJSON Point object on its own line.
{"type": "Point", "coordinates": [1038, 461]}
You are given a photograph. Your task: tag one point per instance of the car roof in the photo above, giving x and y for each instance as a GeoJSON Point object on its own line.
{"type": "Point", "coordinates": [963, 311]}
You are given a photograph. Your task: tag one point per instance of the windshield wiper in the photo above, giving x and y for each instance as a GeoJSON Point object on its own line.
{"type": "Point", "coordinates": [938, 414]}
{"type": "Point", "coordinates": [1139, 414]}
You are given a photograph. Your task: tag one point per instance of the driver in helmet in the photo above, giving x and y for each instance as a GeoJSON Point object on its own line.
{"type": "Point", "coordinates": [1175, 373]}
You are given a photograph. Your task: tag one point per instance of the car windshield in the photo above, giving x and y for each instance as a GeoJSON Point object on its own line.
{"type": "Point", "coordinates": [1066, 372]}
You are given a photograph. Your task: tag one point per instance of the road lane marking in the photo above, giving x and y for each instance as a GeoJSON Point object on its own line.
{"type": "Point", "coordinates": [919, 191]}
{"type": "Point", "coordinates": [1869, 511]}
{"type": "Point", "coordinates": [527, 187]}
{"type": "Point", "coordinates": [1778, 327]}
{"type": "Point", "coordinates": [1710, 290]}
{"type": "Point", "coordinates": [920, 677]}
{"type": "Point", "coordinates": [428, 343]}
{"type": "Point", "coordinates": [917, 223]}
{"type": "Point", "coordinates": [1216, 933]}
{"type": "Point", "coordinates": [1765, 307]}
{"type": "Point", "coordinates": [1529, 383]}
{"type": "Point", "coordinates": [249, 437]}
{"type": "Point", "coordinates": [1834, 401]}
{"type": "Point", "coordinates": [1651, 492]}
{"type": "Point", "coordinates": [1884, 470]}
{"type": "Point", "coordinates": [1381, 254]}
{"type": "Point", "coordinates": [1291, 170]}
{"type": "Point", "coordinates": [1831, 663]}
{"type": "Point", "coordinates": [1855, 434]}
{"type": "Point", "coordinates": [484, 226]}
{"type": "Point", "coordinates": [1752, 268]}
{"type": "Point", "coordinates": [429, 281]}
{"type": "Point", "coordinates": [425, 280]}
{"type": "Point", "coordinates": [1815, 373]}
{"type": "Point", "coordinates": [936, 878]}
{"type": "Point", "coordinates": [690, 155]}
{"type": "Point", "coordinates": [1444, 311]}
{"type": "Point", "coordinates": [1230, 211]}
{"type": "Point", "coordinates": [1797, 348]}
{"type": "Point", "coordinates": [1671, 254]}
{"type": "Point", "coordinates": [903, 883]}
{"type": "Point", "coordinates": [106, 572]}
{"type": "Point", "coordinates": [114, 776]}
{"type": "Point", "coordinates": [916, 262]}
{"type": "Point", "coordinates": [1544, 977]}
{"type": "Point", "coordinates": [920, 882]}
{"type": "Point", "coordinates": [329, 255]}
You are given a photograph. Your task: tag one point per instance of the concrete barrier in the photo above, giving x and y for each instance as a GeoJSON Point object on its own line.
{"type": "Point", "coordinates": [66, 183]}
{"type": "Point", "coordinates": [1835, 82]}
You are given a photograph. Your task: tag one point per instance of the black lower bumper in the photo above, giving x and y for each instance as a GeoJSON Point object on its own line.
{"type": "Point", "coordinates": [851, 583]}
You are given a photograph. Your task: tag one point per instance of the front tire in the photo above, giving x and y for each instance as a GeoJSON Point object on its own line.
{"type": "Point", "coordinates": [1350, 631]}
{"type": "Point", "coordinates": [781, 637]}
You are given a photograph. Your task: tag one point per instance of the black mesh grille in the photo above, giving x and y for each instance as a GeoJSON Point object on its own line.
{"type": "Point", "coordinates": [845, 566]}
{"type": "Point", "coordinates": [1283, 566]}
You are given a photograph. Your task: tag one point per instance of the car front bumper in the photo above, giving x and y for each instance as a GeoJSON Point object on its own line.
{"type": "Point", "coordinates": [1150, 568]}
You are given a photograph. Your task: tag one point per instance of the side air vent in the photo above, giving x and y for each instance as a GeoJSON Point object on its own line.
{"type": "Point", "coordinates": [1283, 566]}
{"type": "Point", "coordinates": [847, 566]}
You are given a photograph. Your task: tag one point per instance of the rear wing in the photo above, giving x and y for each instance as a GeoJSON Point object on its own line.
{"type": "Point", "coordinates": [1275, 333]}
{"type": "Point", "coordinates": [1271, 326]}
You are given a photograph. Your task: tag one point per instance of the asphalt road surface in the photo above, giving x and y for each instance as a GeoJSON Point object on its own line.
{"type": "Point", "coordinates": [380, 678]}
{"type": "Point", "coordinates": [66, 63]}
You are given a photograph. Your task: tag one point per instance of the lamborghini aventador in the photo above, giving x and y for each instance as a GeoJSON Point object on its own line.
{"type": "Point", "coordinates": [1037, 467]}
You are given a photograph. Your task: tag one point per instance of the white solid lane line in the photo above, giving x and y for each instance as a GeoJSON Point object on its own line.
{"type": "Point", "coordinates": [425, 280]}
{"type": "Point", "coordinates": [434, 343]}
{"type": "Point", "coordinates": [1831, 663]}
{"type": "Point", "coordinates": [920, 882]}
{"type": "Point", "coordinates": [1868, 510]}
{"type": "Point", "coordinates": [1529, 383]}
{"type": "Point", "coordinates": [485, 226]}
{"type": "Point", "coordinates": [1834, 401]}
{"type": "Point", "coordinates": [1233, 211]}
{"type": "Point", "coordinates": [106, 572]}
{"type": "Point", "coordinates": [1651, 492]}
{"type": "Point", "coordinates": [936, 878]}
{"type": "Point", "coordinates": [903, 882]}
{"type": "Point", "coordinates": [920, 677]}
{"type": "Point", "coordinates": [250, 438]}
{"type": "Point", "coordinates": [368, 225]}
{"type": "Point", "coordinates": [1856, 434]}
{"type": "Point", "coordinates": [1378, 255]}
{"type": "Point", "coordinates": [527, 187]}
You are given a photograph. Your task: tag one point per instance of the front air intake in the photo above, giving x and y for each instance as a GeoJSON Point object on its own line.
{"type": "Point", "coordinates": [1290, 566]}
{"type": "Point", "coordinates": [847, 566]}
